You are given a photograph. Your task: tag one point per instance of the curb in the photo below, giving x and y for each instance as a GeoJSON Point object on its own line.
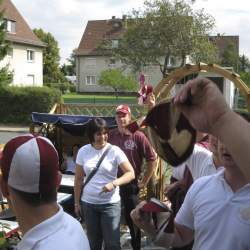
{"type": "Point", "coordinates": [14, 129]}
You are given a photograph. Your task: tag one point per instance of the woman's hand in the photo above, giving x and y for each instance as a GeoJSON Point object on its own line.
{"type": "Point", "coordinates": [108, 187]}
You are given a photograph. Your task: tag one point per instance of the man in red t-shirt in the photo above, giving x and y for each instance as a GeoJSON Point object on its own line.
{"type": "Point", "coordinates": [137, 148]}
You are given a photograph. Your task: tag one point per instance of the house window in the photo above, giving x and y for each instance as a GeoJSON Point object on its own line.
{"type": "Point", "coordinates": [30, 79]}
{"type": "Point", "coordinates": [90, 80]}
{"type": "Point", "coordinates": [30, 55]}
{"type": "Point", "coordinates": [10, 26]}
{"type": "Point", "coordinates": [114, 44]}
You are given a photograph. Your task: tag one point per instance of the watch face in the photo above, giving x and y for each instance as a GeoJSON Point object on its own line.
{"type": "Point", "coordinates": [170, 133]}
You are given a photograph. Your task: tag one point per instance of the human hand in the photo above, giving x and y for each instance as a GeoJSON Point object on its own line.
{"type": "Point", "coordinates": [207, 105]}
{"type": "Point", "coordinates": [77, 210]}
{"type": "Point", "coordinates": [143, 220]}
{"type": "Point", "coordinates": [141, 185]}
{"type": "Point", "coordinates": [150, 100]}
{"type": "Point", "coordinates": [108, 187]}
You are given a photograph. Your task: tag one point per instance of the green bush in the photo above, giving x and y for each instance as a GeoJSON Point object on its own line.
{"type": "Point", "coordinates": [62, 86]}
{"type": "Point", "coordinates": [17, 103]}
{"type": "Point", "coordinates": [72, 88]}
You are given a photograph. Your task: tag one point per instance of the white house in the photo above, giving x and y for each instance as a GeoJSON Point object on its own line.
{"type": "Point", "coordinates": [25, 57]}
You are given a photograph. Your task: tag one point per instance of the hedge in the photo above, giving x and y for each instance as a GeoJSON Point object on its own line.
{"type": "Point", "coordinates": [62, 86]}
{"type": "Point", "coordinates": [17, 103]}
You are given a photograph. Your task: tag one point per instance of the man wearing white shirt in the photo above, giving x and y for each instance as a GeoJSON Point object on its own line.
{"type": "Point", "coordinates": [216, 210]}
{"type": "Point", "coordinates": [30, 178]}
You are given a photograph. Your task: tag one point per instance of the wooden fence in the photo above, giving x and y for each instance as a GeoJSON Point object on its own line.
{"type": "Point", "coordinates": [96, 109]}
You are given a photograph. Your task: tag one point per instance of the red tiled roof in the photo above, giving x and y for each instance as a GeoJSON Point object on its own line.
{"type": "Point", "coordinates": [95, 32]}
{"type": "Point", "coordinates": [23, 34]}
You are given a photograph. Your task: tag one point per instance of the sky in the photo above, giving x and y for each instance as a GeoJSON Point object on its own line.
{"type": "Point", "coordinates": [67, 19]}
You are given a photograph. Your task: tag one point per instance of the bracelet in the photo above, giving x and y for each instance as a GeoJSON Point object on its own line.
{"type": "Point", "coordinates": [77, 204]}
{"type": "Point", "coordinates": [114, 184]}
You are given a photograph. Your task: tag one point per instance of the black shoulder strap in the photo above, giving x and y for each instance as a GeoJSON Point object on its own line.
{"type": "Point", "coordinates": [93, 172]}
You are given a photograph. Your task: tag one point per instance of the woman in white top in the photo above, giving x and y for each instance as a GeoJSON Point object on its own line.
{"type": "Point", "coordinates": [100, 199]}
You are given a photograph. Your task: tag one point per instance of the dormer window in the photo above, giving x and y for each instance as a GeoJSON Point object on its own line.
{"type": "Point", "coordinates": [10, 26]}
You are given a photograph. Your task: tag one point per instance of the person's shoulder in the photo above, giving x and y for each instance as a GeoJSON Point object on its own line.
{"type": "Point", "coordinates": [201, 153]}
{"type": "Point", "coordinates": [84, 148]}
{"type": "Point", "coordinates": [114, 148]}
{"type": "Point", "coordinates": [200, 149]}
{"type": "Point", "coordinates": [204, 181]}
{"type": "Point", "coordinates": [139, 135]}
{"type": "Point", "coordinates": [113, 132]}
{"type": "Point", "coordinates": [70, 226]}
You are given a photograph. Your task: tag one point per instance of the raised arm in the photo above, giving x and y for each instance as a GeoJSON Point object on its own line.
{"type": "Point", "coordinates": [208, 112]}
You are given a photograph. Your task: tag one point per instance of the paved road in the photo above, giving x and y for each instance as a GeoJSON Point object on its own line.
{"type": "Point", "coordinates": [6, 136]}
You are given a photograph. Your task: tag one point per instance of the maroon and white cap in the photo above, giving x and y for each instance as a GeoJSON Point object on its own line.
{"type": "Point", "coordinates": [123, 109]}
{"type": "Point", "coordinates": [30, 164]}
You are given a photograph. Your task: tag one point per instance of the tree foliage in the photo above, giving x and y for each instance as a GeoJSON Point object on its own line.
{"type": "Point", "coordinates": [244, 63]}
{"type": "Point", "coordinates": [51, 57]}
{"type": "Point", "coordinates": [230, 57]}
{"type": "Point", "coordinates": [6, 76]}
{"type": "Point", "coordinates": [163, 29]}
{"type": "Point", "coordinates": [115, 79]}
{"type": "Point", "coordinates": [69, 69]}
{"type": "Point", "coordinates": [245, 76]}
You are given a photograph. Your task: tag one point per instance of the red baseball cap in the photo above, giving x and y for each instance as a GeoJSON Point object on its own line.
{"type": "Point", "coordinates": [30, 164]}
{"type": "Point", "coordinates": [123, 109]}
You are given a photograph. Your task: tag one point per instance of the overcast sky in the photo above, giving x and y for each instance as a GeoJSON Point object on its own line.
{"type": "Point", "coordinates": [67, 19]}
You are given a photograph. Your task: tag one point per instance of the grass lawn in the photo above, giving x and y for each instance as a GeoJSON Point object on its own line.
{"type": "Point", "coordinates": [78, 98]}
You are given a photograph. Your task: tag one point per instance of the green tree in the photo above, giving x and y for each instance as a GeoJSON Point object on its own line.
{"type": "Point", "coordinates": [244, 63]}
{"type": "Point", "coordinates": [51, 58]}
{"type": "Point", "coordinates": [245, 76]}
{"type": "Point", "coordinates": [165, 29]}
{"type": "Point", "coordinates": [119, 82]}
{"type": "Point", "coordinates": [6, 76]}
{"type": "Point", "coordinates": [230, 57]}
{"type": "Point", "coordinates": [69, 69]}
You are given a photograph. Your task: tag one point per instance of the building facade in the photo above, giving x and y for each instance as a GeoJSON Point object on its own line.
{"type": "Point", "coordinates": [25, 56]}
{"type": "Point", "coordinates": [90, 62]}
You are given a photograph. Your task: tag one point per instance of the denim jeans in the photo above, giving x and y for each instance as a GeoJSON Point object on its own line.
{"type": "Point", "coordinates": [103, 225]}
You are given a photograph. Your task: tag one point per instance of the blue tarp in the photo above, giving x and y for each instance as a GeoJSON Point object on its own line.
{"type": "Point", "coordinates": [73, 124]}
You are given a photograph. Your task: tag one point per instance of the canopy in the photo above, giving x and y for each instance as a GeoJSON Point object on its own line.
{"type": "Point", "coordinates": [73, 124]}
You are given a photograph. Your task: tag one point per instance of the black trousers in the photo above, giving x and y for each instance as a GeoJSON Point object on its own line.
{"type": "Point", "coordinates": [129, 196]}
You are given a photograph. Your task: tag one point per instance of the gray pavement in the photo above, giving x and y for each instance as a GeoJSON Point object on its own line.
{"type": "Point", "coordinates": [9, 131]}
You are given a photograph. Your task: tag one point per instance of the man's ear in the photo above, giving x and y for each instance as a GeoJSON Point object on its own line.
{"type": "Point", "coordinates": [4, 187]}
